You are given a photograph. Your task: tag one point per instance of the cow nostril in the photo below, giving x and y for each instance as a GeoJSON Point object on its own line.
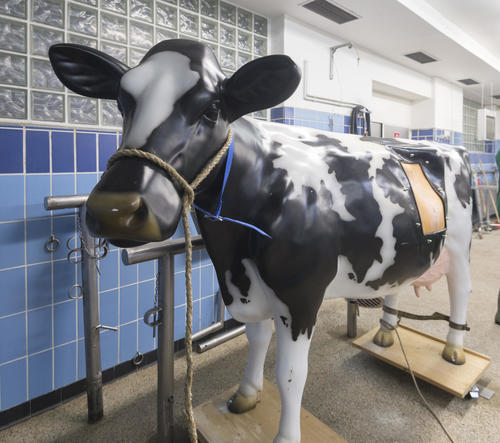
{"type": "Point", "coordinates": [138, 217]}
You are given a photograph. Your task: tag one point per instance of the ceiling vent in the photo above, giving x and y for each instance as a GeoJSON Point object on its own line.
{"type": "Point", "coordinates": [331, 11]}
{"type": "Point", "coordinates": [421, 57]}
{"type": "Point", "coordinates": [468, 81]}
{"type": "Point", "coordinates": [497, 97]}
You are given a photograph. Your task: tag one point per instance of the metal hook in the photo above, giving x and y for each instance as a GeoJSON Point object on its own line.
{"type": "Point", "coordinates": [52, 244]}
{"type": "Point", "coordinates": [152, 312]}
{"type": "Point", "coordinates": [80, 290]}
{"type": "Point", "coordinates": [138, 359]}
{"type": "Point", "coordinates": [109, 328]}
{"type": "Point", "coordinates": [69, 240]}
{"type": "Point", "coordinates": [104, 245]}
{"type": "Point", "coordinates": [74, 259]}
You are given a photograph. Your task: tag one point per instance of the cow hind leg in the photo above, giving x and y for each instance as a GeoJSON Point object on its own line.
{"type": "Point", "coordinates": [385, 336]}
{"type": "Point", "coordinates": [459, 287]}
{"type": "Point", "coordinates": [248, 394]}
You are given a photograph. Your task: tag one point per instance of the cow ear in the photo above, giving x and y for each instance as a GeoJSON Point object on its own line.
{"type": "Point", "coordinates": [87, 71]}
{"type": "Point", "coordinates": [260, 84]}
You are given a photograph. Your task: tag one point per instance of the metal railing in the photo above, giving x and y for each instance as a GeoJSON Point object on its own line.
{"type": "Point", "coordinates": [90, 296]}
{"type": "Point", "coordinates": [165, 252]}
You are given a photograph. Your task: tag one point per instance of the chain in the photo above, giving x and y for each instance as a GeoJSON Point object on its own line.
{"type": "Point", "coordinates": [101, 244]}
{"type": "Point", "coordinates": [155, 318]}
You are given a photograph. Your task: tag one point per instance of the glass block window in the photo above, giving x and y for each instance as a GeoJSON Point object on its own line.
{"type": "Point", "coordinates": [470, 139]}
{"type": "Point", "coordinates": [125, 29]}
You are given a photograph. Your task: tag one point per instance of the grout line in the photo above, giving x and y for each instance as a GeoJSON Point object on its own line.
{"type": "Point", "coordinates": [137, 309]}
{"type": "Point", "coordinates": [119, 299]}
{"type": "Point", "coordinates": [52, 270]}
{"type": "Point", "coordinates": [25, 261]}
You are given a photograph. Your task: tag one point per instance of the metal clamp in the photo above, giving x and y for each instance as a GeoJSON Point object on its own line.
{"type": "Point", "coordinates": [80, 290]}
{"type": "Point", "coordinates": [109, 328]}
{"type": "Point", "coordinates": [150, 313]}
{"type": "Point", "coordinates": [52, 243]}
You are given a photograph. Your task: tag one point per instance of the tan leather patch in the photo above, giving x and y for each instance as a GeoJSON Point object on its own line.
{"type": "Point", "coordinates": [429, 203]}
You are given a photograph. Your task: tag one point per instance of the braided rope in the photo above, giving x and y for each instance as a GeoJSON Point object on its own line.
{"type": "Point", "coordinates": [187, 201]}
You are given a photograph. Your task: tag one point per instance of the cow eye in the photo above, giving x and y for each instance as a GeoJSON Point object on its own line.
{"type": "Point", "coordinates": [212, 113]}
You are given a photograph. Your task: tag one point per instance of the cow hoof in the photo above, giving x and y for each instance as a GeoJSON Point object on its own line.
{"type": "Point", "coordinates": [454, 354]}
{"type": "Point", "coordinates": [384, 337]}
{"type": "Point", "coordinates": [280, 439]}
{"type": "Point", "coordinates": [239, 403]}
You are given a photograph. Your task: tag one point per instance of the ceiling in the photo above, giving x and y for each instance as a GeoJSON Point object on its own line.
{"type": "Point", "coordinates": [464, 35]}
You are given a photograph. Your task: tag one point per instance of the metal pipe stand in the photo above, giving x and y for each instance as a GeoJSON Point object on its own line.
{"type": "Point", "coordinates": [165, 394]}
{"type": "Point", "coordinates": [352, 318]}
{"type": "Point", "coordinates": [165, 252]}
{"type": "Point", "coordinates": [90, 304]}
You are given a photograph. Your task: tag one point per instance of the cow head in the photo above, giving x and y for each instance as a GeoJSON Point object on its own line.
{"type": "Point", "coordinates": [177, 104]}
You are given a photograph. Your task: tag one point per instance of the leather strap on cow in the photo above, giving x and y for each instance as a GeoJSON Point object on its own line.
{"type": "Point", "coordinates": [435, 316]}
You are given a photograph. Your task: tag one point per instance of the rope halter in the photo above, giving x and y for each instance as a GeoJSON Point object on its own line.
{"type": "Point", "coordinates": [187, 201]}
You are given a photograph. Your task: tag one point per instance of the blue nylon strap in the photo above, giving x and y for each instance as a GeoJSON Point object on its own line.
{"type": "Point", "coordinates": [217, 216]}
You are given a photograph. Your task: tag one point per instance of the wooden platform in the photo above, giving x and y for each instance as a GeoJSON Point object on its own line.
{"type": "Point", "coordinates": [217, 425]}
{"type": "Point", "coordinates": [424, 354]}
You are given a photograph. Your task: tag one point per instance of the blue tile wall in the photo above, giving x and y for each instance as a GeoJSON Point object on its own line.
{"type": "Point", "coordinates": [64, 365]}
{"type": "Point", "coordinates": [85, 152]}
{"type": "Point", "coordinates": [314, 119]}
{"type": "Point", "coordinates": [41, 329]}
{"type": "Point", "coordinates": [11, 202]}
{"type": "Point", "coordinates": [37, 151]}
{"type": "Point", "coordinates": [40, 371]}
{"type": "Point", "coordinates": [342, 123]}
{"type": "Point", "coordinates": [13, 376]}
{"type": "Point", "coordinates": [11, 150]}
{"type": "Point", "coordinates": [62, 153]}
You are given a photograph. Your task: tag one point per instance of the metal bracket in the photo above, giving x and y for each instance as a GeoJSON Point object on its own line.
{"type": "Point", "coordinates": [474, 392]}
{"type": "Point", "coordinates": [109, 328]}
{"type": "Point", "coordinates": [150, 313]}
{"type": "Point", "coordinates": [485, 392]}
{"type": "Point", "coordinates": [333, 49]}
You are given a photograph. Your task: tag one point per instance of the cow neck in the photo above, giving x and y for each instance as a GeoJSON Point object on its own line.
{"type": "Point", "coordinates": [220, 179]}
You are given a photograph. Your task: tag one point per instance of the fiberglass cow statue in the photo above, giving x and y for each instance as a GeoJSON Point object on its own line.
{"type": "Point", "coordinates": [309, 212]}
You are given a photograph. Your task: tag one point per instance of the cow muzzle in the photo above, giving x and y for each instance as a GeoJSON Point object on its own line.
{"type": "Point", "coordinates": [133, 203]}
{"type": "Point", "coordinates": [122, 216]}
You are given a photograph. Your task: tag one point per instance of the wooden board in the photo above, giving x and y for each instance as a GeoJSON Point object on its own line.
{"type": "Point", "coordinates": [217, 425]}
{"type": "Point", "coordinates": [424, 354]}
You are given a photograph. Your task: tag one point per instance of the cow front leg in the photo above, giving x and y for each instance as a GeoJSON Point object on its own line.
{"type": "Point", "coordinates": [248, 394]}
{"type": "Point", "coordinates": [385, 336]}
{"type": "Point", "coordinates": [291, 375]}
